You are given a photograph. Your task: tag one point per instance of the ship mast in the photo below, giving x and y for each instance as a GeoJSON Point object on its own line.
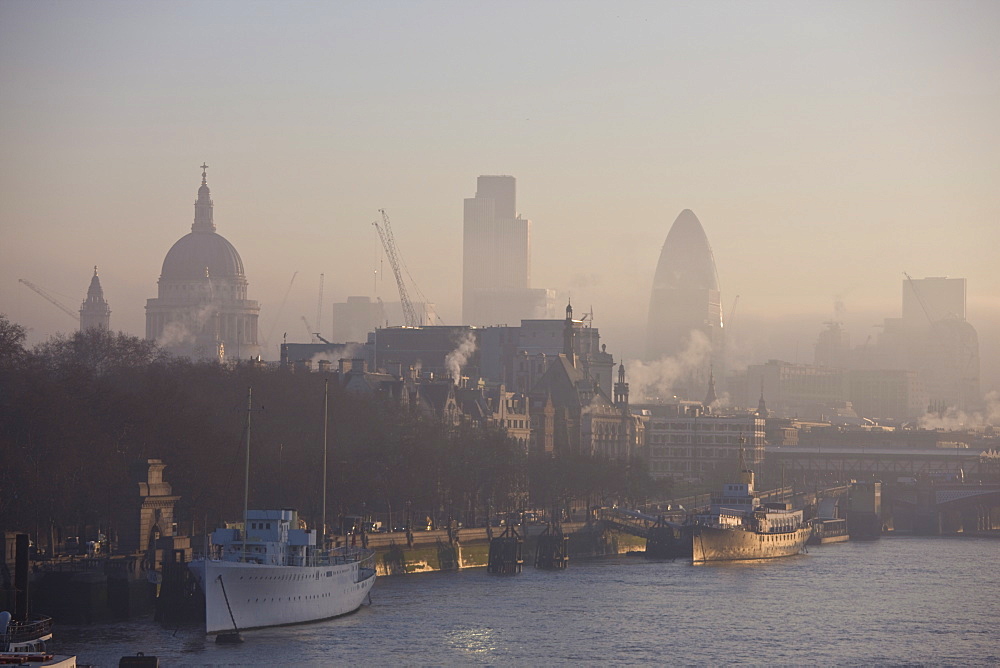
{"type": "Point", "coordinates": [326, 408]}
{"type": "Point", "coordinates": [246, 476]}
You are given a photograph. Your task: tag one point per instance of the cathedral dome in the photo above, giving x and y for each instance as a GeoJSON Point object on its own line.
{"type": "Point", "coordinates": [203, 249]}
{"type": "Point", "coordinates": [195, 252]}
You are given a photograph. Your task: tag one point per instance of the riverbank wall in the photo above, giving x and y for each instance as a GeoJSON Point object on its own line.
{"type": "Point", "coordinates": [444, 550]}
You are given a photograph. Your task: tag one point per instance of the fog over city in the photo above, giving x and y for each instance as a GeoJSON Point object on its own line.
{"type": "Point", "coordinates": [826, 149]}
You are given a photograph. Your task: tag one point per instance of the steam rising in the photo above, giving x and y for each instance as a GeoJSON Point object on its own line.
{"type": "Point", "coordinates": [179, 333]}
{"type": "Point", "coordinates": [656, 380]}
{"type": "Point", "coordinates": [956, 420]}
{"type": "Point", "coordinates": [349, 351]}
{"type": "Point", "coordinates": [457, 358]}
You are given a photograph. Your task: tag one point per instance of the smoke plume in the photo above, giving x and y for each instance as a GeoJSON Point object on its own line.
{"type": "Point", "coordinates": [954, 419]}
{"type": "Point", "coordinates": [655, 381]}
{"type": "Point", "coordinates": [184, 332]}
{"type": "Point", "coordinates": [457, 358]}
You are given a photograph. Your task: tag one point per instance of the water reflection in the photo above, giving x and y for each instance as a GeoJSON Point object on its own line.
{"type": "Point", "coordinates": [475, 641]}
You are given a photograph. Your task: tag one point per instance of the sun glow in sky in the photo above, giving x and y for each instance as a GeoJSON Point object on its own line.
{"type": "Point", "coordinates": [825, 147]}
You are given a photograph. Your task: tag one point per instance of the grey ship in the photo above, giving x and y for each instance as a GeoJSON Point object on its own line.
{"type": "Point", "coordinates": [739, 527]}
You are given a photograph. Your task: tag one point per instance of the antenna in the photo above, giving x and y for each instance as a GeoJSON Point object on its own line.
{"type": "Point", "coordinates": [920, 298]}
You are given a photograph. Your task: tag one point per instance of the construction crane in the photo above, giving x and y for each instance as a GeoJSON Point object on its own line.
{"type": "Point", "coordinates": [62, 307]}
{"type": "Point", "coordinates": [281, 308]}
{"type": "Point", "coordinates": [920, 298]}
{"type": "Point", "coordinates": [732, 313]}
{"type": "Point", "coordinates": [389, 245]}
{"type": "Point", "coordinates": [319, 305]}
{"type": "Point", "coordinates": [309, 330]}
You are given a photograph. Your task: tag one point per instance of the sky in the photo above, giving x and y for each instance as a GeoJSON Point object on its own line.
{"type": "Point", "coordinates": [825, 147]}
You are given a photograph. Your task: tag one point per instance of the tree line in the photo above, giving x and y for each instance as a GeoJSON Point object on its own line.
{"type": "Point", "coordinates": [81, 413]}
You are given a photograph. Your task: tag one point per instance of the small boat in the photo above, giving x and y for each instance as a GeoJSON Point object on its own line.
{"type": "Point", "coordinates": [825, 531]}
{"type": "Point", "coordinates": [23, 643]}
{"type": "Point", "coordinates": [24, 636]}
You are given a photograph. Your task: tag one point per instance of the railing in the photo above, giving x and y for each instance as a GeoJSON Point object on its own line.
{"type": "Point", "coordinates": [33, 629]}
{"type": "Point", "coordinates": [335, 557]}
{"type": "Point", "coordinates": [366, 566]}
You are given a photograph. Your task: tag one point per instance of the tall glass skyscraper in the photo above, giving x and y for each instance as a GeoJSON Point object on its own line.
{"type": "Point", "coordinates": [496, 258]}
{"type": "Point", "coordinates": [685, 307]}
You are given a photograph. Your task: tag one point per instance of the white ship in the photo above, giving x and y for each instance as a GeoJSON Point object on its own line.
{"type": "Point", "coordinates": [271, 573]}
{"type": "Point", "coordinates": [738, 526]}
{"type": "Point", "coordinates": [278, 576]}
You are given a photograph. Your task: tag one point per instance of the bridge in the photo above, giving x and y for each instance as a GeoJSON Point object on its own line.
{"type": "Point", "coordinates": [811, 464]}
{"type": "Point", "coordinates": [931, 507]}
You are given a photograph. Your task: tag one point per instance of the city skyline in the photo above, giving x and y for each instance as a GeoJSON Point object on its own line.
{"type": "Point", "coordinates": [818, 177]}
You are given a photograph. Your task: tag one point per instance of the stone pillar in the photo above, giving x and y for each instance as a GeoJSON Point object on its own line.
{"type": "Point", "coordinates": [152, 515]}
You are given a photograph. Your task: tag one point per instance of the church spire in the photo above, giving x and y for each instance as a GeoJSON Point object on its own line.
{"type": "Point", "coordinates": [761, 406]}
{"type": "Point", "coordinates": [95, 312]}
{"type": "Point", "coordinates": [711, 397]}
{"type": "Point", "coordinates": [203, 219]}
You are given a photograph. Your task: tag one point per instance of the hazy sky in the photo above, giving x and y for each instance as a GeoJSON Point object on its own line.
{"type": "Point", "coordinates": [825, 147]}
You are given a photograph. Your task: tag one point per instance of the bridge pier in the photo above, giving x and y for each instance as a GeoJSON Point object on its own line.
{"type": "Point", "coordinates": [926, 522]}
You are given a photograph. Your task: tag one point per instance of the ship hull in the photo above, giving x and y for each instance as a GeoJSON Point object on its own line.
{"type": "Point", "coordinates": [261, 595]}
{"type": "Point", "coordinates": [714, 544]}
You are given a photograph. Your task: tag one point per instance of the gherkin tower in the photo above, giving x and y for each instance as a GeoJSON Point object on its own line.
{"type": "Point", "coordinates": [685, 307]}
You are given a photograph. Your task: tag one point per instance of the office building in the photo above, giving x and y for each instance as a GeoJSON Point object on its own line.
{"type": "Point", "coordinates": [496, 259]}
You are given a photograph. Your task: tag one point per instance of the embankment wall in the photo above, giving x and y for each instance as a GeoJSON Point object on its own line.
{"type": "Point", "coordinates": [469, 548]}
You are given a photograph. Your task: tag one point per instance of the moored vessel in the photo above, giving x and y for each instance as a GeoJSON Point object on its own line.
{"type": "Point", "coordinates": [277, 575]}
{"type": "Point", "coordinates": [271, 572]}
{"type": "Point", "coordinates": [739, 527]}
{"type": "Point", "coordinates": [826, 531]}
{"type": "Point", "coordinates": [22, 642]}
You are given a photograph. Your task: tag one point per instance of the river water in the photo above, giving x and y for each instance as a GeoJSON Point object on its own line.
{"type": "Point", "coordinates": [899, 600]}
